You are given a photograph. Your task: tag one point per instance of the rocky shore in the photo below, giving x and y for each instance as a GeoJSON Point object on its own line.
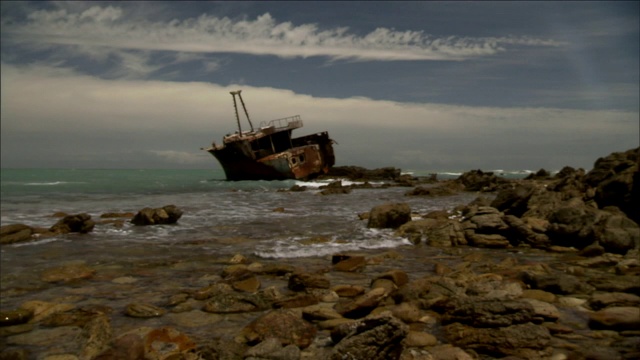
{"type": "Point", "coordinates": [487, 295]}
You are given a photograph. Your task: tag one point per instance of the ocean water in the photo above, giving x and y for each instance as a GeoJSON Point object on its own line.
{"type": "Point", "coordinates": [226, 217]}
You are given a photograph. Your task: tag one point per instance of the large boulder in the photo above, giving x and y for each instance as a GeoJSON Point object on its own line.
{"type": "Point", "coordinates": [617, 180]}
{"type": "Point", "coordinates": [80, 223]}
{"type": "Point", "coordinates": [477, 180]}
{"type": "Point", "coordinates": [390, 215]}
{"type": "Point", "coordinates": [284, 325]}
{"type": "Point", "coordinates": [165, 215]}
{"type": "Point", "coordinates": [526, 341]}
{"type": "Point", "coordinates": [374, 338]}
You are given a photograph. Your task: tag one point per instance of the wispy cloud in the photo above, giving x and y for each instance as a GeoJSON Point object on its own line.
{"type": "Point", "coordinates": [109, 27]}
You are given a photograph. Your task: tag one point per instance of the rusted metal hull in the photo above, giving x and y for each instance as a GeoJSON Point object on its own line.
{"type": "Point", "coordinates": [303, 158]}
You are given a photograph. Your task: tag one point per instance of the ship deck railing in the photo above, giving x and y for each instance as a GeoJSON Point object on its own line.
{"type": "Point", "coordinates": [291, 122]}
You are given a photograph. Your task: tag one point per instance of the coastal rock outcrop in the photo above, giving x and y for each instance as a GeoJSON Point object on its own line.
{"type": "Point", "coordinates": [14, 233]}
{"type": "Point", "coordinates": [80, 223]}
{"type": "Point", "coordinates": [390, 215]}
{"type": "Point", "coordinates": [165, 215]}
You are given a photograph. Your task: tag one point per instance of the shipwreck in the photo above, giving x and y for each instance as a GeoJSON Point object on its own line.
{"type": "Point", "coordinates": [271, 152]}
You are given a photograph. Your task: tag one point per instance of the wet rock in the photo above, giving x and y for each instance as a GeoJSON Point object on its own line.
{"type": "Point", "coordinates": [419, 339]}
{"type": "Point", "coordinates": [390, 215]}
{"type": "Point", "coordinates": [296, 301]}
{"type": "Point", "coordinates": [616, 318]}
{"type": "Point", "coordinates": [399, 277]}
{"type": "Point", "coordinates": [141, 310]}
{"type": "Point", "coordinates": [374, 338]}
{"type": "Point", "coordinates": [165, 215]}
{"type": "Point", "coordinates": [151, 343]}
{"type": "Point", "coordinates": [557, 283]}
{"type": "Point", "coordinates": [235, 303]}
{"type": "Point", "coordinates": [283, 325]}
{"type": "Point", "coordinates": [43, 309]}
{"type": "Point", "coordinates": [98, 333]}
{"type": "Point", "coordinates": [493, 241]}
{"type": "Point", "coordinates": [527, 341]}
{"type": "Point", "coordinates": [614, 299]}
{"type": "Point", "coordinates": [485, 313]}
{"type": "Point", "coordinates": [349, 263]}
{"type": "Point", "coordinates": [407, 312]}
{"type": "Point", "coordinates": [15, 233]}
{"type": "Point", "coordinates": [362, 305]}
{"type": "Point", "coordinates": [335, 188]}
{"type": "Point", "coordinates": [80, 223]}
{"type": "Point", "coordinates": [319, 313]}
{"type": "Point", "coordinates": [544, 310]}
{"type": "Point", "coordinates": [65, 338]}
{"type": "Point", "coordinates": [15, 317]}
{"type": "Point", "coordinates": [348, 290]}
{"type": "Point", "coordinates": [68, 272]}
{"type": "Point", "coordinates": [434, 232]}
{"type": "Point", "coordinates": [443, 189]}
{"type": "Point", "coordinates": [271, 348]}
{"type": "Point", "coordinates": [304, 281]}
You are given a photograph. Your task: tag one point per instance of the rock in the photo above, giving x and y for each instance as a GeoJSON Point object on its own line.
{"type": "Point", "coordinates": [444, 189]}
{"type": "Point", "coordinates": [539, 175]}
{"type": "Point", "coordinates": [80, 223]}
{"type": "Point", "coordinates": [616, 178]}
{"type": "Point", "coordinates": [488, 220]}
{"type": "Point", "coordinates": [165, 215]}
{"type": "Point", "coordinates": [10, 234]}
{"type": "Point", "coordinates": [271, 348]}
{"type": "Point", "coordinates": [374, 338]}
{"type": "Point", "coordinates": [98, 333]}
{"type": "Point", "coordinates": [493, 241]}
{"type": "Point", "coordinates": [538, 295]}
{"type": "Point", "coordinates": [519, 232]}
{"type": "Point", "coordinates": [485, 313]}
{"type": "Point", "coordinates": [69, 272]}
{"type": "Point", "coordinates": [557, 283]}
{"type": "Point", "coordinates": [349, 263]}
{"type": "Point", "coordinates": [617, 234]}
{"type": "Point", "coordinates": [616, 318]}
{"type": "Point", "coordinates": [477, 180]}
{"type": "Point", "coordinates": [544, 310]}
{"type": "Point", "coordinates": [399, 277]}
{"type": "Point", "coordinates": [15, 317]}
{"type": "Point", "coordinates": [390, 215]}
{"type": "Point", "coordinates": [525, 341]}
{"type": "Point", "coordinates": [141, 310]}
{"type": "Point", "coordinates": [348, 290]}
{"type": "Point", "coordinates": [419, 339]}
{"type": "Point", "coordinates": [300, 300]}
{"type": "Point", "coordinates": [319, 313]}
{"type": "Point", "coordinates": [435, 232]}
{"type": "Point", "coordinates": [149, 343]}
{"type": "Point", "coordinates": [513, 201]}
{"type": "Point", "coordinates": [614, 299]}
{"type": "Point", "coordinates": [304, 281]}
{"type": "Point", "coordinates": [573, 225]}
{"type": "Point", "coordinates": [362, 305]}
{"type": "Point", "coordinates": [335, 188]}
{"type": "Point", "coordinates": [283, 325]}
{"type": "Point", "coordinates": [226, 303]}
{"type": "Point", "coordinates": [407, 312]}
{"type": "Point", "coordinates": [43, 309]}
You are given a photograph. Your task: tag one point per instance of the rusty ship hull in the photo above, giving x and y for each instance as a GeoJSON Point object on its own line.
{"type": "Point", "coordinates": [272, 153]}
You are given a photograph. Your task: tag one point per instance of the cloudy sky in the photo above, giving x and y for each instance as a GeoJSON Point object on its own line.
{"type": "Point", "coordinates": [416, 85]}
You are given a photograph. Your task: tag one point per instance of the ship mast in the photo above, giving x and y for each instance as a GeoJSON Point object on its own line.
{"type": "Point", "coordinates": [235, 106]}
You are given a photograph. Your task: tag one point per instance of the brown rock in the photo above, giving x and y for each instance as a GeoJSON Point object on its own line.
{"type": "Point", "coordinates": [283, 325]}
{"type": "Point", "coordinates": [348, 290]}
{"type": "Point", "coordinates": [296, 301]}
{"type": "Point", "coordinates": [362, 305]}
{"type": "Point", "coordinates": [419, 339]}
{"type": "Point", "coordinates": [10, 234]}
{"type": "Point", "coordinates": [351, 264]}
{"type": "Point", "coordinates": [398, 277]}
{"type": "Point", "coordinates": [304, 281]}
{"type": "Point", "coordinates": [66, 273]}
{"type": "Point", "coordinates": [391, 215]}
{"type": "Point", "coordinates": [616, 318]}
